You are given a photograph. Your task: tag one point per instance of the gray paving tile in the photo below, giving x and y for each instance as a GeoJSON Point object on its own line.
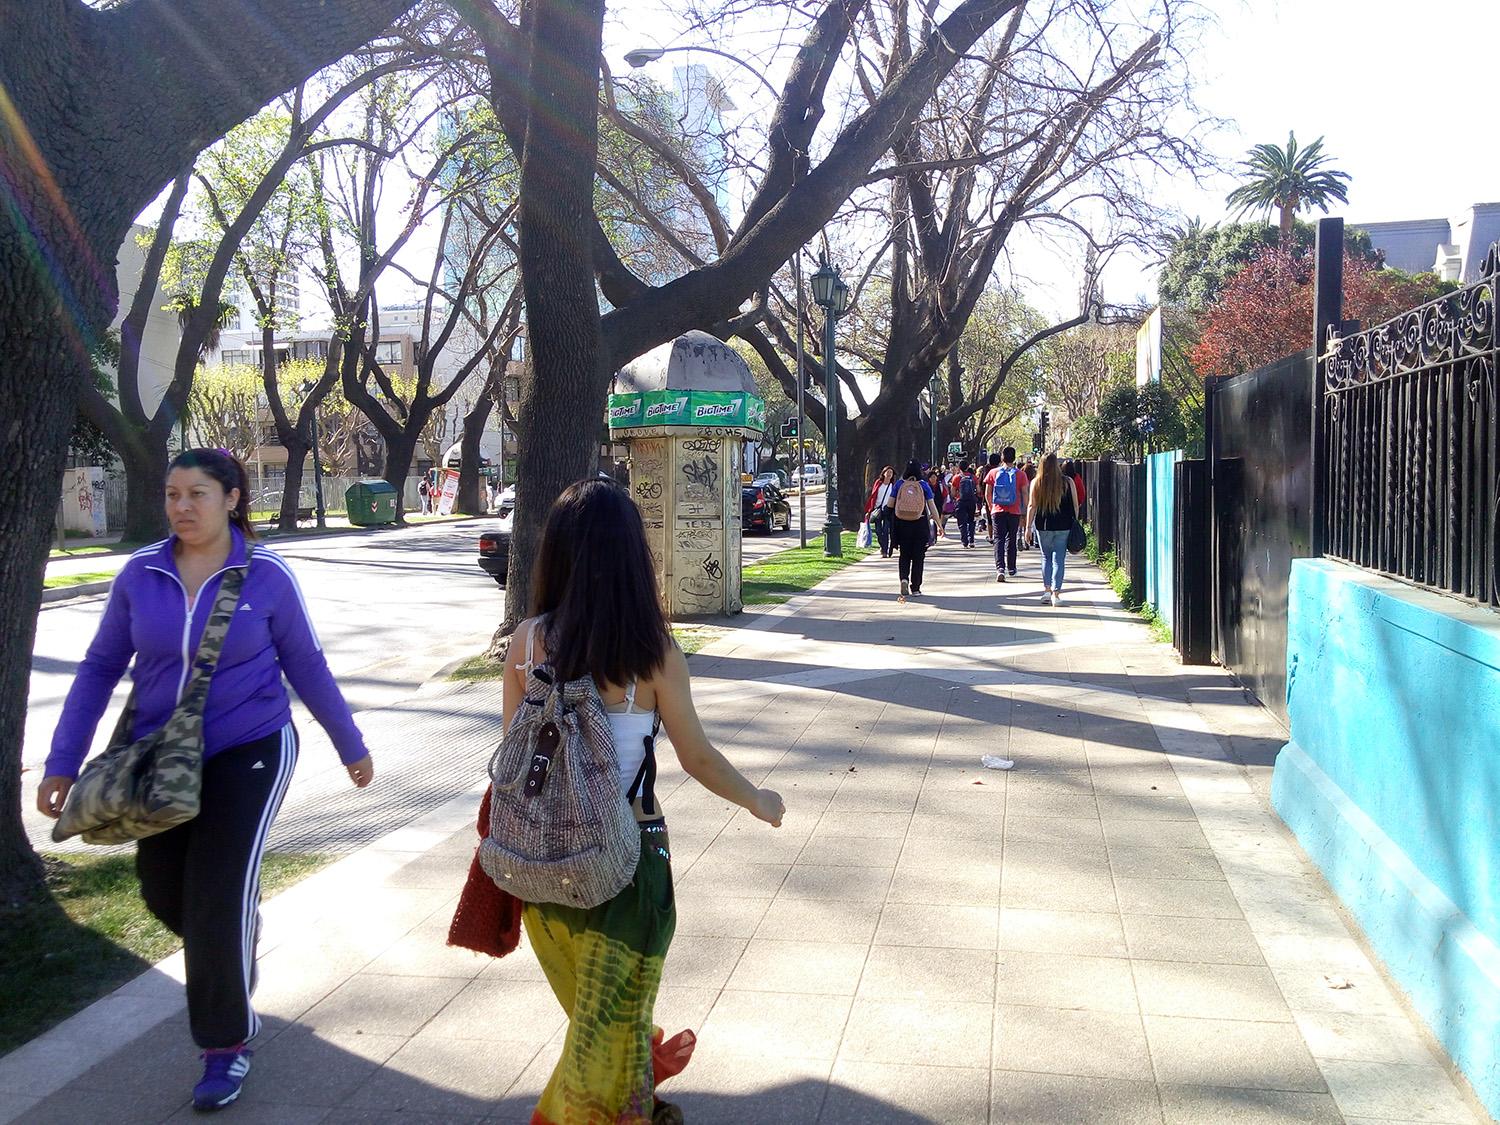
{"type": "Point", "coordinates": [1073, 1041]}
{"type": "Point", "coordinates": [959, 884]}
{"type": "Point", "coordinates": [1061, 980]}
{"type": "Point", "coordinates": [1211, 1105]}
{"type": "Point", "coordinates": [1245, 992]}
{"type": "Point", "coordinates": [1388, 1091]}
{"type": "Point", "coordinates": [383, 1005]}
{"type": "Point", "coordinates": [723, 1088]}
{"type": "Point", "coordinates": [305, 1067]}
{"type": "Point", "coordinates": [702, 914]}
{"type": "Point", "coordinates": [1177, 898]}
{"type": "Point", "coordinates": [851, 851]}
{"type": "Point", "coordinates": [1131, 862]}
{"type": "Point", "coordinates": [905, 972]}
{"type": "Point", "coordinates": [1020, 1098]}
{"type": "Point", "coordinates": [733, 879]}
{"type": "Point", "coordinates": [836, 884]}
{"type": "Point", "coordinates": [938, 927]}
{"type": "Point", "coordinates": [1089, 933]}
{"type": "Point", "coordinates": [702, 962]}
{"type": "Point", "coordinates": [870, 1093]}
{"type": "Point", "coordinates": [800, 966]}
{"type": "Point", "coordinates": [1238, 1053]}
{"type": "Point", "coordinates": [436, 1074]}
{"type": "Point", "coordinates": [786, 1025]}
{"type": "Point", "coordinates": [500, 1011]}
{"type": "Point", "coordinates": [918, 1032]}
{"type": "Point", "coordinates": [1215, 941]}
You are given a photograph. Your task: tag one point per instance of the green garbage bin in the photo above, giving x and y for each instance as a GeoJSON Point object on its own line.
{"type": "Point", "coordinates": [370, 503]}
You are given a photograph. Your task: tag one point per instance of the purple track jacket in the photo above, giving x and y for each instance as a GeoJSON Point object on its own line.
{"type": "Point", "coordinates": [150, 616]}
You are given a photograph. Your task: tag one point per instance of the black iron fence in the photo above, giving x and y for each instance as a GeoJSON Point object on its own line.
{"type": "Point", "coordinates": [1117, 512]}
{"type": "Point", "coordinates": [1411, 443]}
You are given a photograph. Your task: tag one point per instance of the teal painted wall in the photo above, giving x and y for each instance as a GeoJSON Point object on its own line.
{"type": "Point", "coordinates": [1391, 782]}
{"type": "Point", "coordinates": [1161, 561]}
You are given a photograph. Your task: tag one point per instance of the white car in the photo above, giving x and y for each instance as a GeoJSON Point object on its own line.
{"type": "Point", "coordinates": [809, 474]}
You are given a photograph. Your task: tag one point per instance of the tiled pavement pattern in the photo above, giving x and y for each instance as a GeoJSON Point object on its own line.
{"type": "Point", "coordinates": [1116, 931]}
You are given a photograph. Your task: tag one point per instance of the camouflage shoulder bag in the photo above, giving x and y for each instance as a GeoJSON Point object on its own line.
{"type": "Point", "coordinates": [140, 788]}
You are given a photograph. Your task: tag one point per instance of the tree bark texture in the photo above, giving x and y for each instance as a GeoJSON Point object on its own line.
{"type": "Point", "coordinates": [471, 498]}
{"type": "Point", "coordinates": [98, 110]}
{"type": "Point", "coordinates": [568, 372]}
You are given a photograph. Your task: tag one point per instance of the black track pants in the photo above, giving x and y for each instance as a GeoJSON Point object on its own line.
{"type": "Point", "coordinates": [202, 879]}
{"type": "Point", "coordinates": [911, 541]}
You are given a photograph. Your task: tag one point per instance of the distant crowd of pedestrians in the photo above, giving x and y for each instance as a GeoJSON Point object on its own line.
{"type": "Point", "coordinates": [1018, 505]}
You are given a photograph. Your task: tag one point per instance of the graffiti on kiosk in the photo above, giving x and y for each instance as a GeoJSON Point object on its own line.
{"type": "Point", "coordinates": [700, 445]}
{"type": "Point", "coordinates": [703, 472]}
{"type": "Point", "coordinates": [696, 588]}
{"type": "Point", "coordinates": [648, 490]}
{"type": "Point", "coordinates": [713, 569]}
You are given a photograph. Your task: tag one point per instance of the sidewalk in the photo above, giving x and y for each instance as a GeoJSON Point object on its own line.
{"type": "Point", "coordinates": [1115, 931]}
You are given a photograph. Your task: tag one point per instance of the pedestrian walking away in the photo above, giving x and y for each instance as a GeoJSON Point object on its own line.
{"type": "Point", "coordinates": [913, 511]}
{"type": "Point", "coordinates": [600, 619]}
{"type": "Point", "coordinates": [937, 482]}
{"type": "Point", "coordinates": [1005, 495]}
{"type": "Point", "coordinates": [984, 471]}
{"type": "Point", "coordinates": [424, 496]}
{"type": "Point", "coordinates": [878, 508]}
{"type": "Point", "coordinates": [202, 877]}
{"type": "Point", "coordinates": [966, 491]}
{"type": "Point", "coordinates": [1050, 516]}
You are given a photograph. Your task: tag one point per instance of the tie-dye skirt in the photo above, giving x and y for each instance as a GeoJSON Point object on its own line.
{"type": "Point", "coordinates": [604, 965]}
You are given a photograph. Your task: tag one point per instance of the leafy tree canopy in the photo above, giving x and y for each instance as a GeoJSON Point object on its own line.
{"type": "Point", "coordinates": [1266, 310]}
{"type": "Point", "coordinates": [1202, 260]}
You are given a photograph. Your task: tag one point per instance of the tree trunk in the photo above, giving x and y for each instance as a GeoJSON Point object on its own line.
{"type": "Point", "coordinates": [471, 501]}
{"type": "Point", "coordinates": [568, 374]}
{"type": "Point", "coordinates": [399, 451]}
{"type": "Point", "coordinates": [291, 492]}
{"type": "Point", "coordinates": [145, 461]}
{"type": "Point", "coordinates": [38, 411]}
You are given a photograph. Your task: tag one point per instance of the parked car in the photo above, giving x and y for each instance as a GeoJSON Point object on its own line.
{"type": "Point", "coordinates": [764, 508]}
{"type": "Point", "coordinates": [809, 474]}
{"type": "Point", "coordinates": [494, 551]}
{"type": "Point", "coordinates": [773, 477]}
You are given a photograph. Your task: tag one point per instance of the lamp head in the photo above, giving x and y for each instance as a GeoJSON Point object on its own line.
{"type": "Point", "coordinates": [643, 55]}
{"type": "Point", "coordinates": [840, 295]}
{"type": "Point", "coordinates": [824, 283]}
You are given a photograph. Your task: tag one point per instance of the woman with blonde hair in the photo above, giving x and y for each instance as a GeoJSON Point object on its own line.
{"type": "Point", "coordinates": [1050, 515]}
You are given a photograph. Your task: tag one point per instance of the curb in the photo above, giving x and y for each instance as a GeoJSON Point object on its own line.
{"type": "Point", "coordinates": [81, 590]}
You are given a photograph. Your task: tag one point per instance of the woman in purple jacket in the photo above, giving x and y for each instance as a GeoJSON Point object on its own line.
{"type": "Point", "coordinates": [202, 878]}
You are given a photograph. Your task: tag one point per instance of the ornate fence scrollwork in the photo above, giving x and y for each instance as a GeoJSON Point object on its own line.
{"type": "Point", "coordinates": [1411, 436]}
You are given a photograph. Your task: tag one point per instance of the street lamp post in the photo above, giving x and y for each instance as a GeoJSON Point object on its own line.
{"type": "Point", "coordinates": [801, 381]}
{"type": "Point", "coordinates": [832, 294]}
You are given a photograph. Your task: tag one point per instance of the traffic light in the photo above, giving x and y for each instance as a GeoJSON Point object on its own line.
{"type": "Point", "coordinates": [789, 428]}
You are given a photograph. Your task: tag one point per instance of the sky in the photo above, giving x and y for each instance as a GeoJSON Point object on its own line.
{"type": "Point", "coordinates": [1402, 93]}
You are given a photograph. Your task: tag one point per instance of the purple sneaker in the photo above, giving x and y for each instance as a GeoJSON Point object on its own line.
{"type": "Point", "coordinates": [223, 1075]}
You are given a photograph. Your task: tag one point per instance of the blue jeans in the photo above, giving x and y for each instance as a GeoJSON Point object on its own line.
{"type": "Point", "coordinates": [1054, 557]}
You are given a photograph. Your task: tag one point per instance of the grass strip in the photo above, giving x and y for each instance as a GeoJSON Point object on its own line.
{"type": "Point", "coordinates": [79, 552]}
{"type": "Point", "coordinates": [1120, 583]}
{"type": "Point", "coordinates": [788, 573]}
{"type": "Point", "coordinates": [91, 935]}
{"type": "Point", "coordinates": [478, 669]}
{"type": "Point", "coordinates": [60, 581]}
{"type": "Point", "coordinates": [691, 638]}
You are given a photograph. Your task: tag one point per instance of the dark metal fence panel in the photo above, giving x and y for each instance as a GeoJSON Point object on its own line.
{"type": "Point", "coordinates": [1192, 528]}
{"type": "Point", "coordinates": [1117, 514]}
{"type": "Point", "coordinates": [1412, 430]}
{"type": "Point", "coordinates": [1261, 478]}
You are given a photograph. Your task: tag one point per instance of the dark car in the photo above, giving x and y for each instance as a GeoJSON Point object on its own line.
{"type": "Point", "coordinates": [494, 552]}
{"type": "Point", "coordinates": [764, 508]}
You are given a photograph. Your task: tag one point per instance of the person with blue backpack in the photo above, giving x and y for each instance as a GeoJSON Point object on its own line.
{"type": "Point", "coordinates": [1005, 494]}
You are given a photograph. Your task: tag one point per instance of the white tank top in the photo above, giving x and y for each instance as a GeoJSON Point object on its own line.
{"type": "Point", "coordinates": [629, 727]}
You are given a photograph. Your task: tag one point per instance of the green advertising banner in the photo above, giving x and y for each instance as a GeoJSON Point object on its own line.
{"type": "Point", "coordinates": [686, 408]}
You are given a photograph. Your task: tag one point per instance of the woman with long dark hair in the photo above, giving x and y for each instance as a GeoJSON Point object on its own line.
{"type": "Point", "coordinates": [598, 615]}
{"type": "Point", "coordinates": [1050, 515]}
{"type": "Point", "coordinates": [202, 878]}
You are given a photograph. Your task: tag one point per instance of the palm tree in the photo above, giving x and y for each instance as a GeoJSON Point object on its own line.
{"type": "Point", "coordinates": [1286, 180]}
